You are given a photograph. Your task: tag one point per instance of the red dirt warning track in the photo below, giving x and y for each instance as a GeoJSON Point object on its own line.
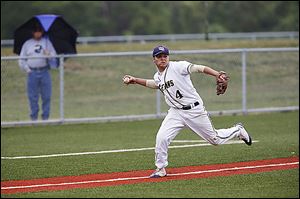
{"type": "Point", "coordinates": [133, 177]}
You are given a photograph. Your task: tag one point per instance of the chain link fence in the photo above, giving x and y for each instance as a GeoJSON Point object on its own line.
{"type": "Point", "coordinates": [89, 87]}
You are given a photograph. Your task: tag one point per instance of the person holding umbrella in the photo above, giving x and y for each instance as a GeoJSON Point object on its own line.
{"type": "Point", "coordinates": [42, 35]}
{"type": "Point", "coordinates": [39, 78]}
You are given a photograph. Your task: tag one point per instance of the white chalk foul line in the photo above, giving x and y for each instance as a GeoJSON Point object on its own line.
{"type": "Point", "coordinates": [188, 141]}
{"type": "Point", "coordinates": [113, 151]}
{"type": "Point", "coordinates": [73, 183]}
{"type": "Point", "coordinates": [144, 177]}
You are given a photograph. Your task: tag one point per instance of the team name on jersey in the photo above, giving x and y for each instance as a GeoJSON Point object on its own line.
{"type": "Point", "coordinates": [166, 85]}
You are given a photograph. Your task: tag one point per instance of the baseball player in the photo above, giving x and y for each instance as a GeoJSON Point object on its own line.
{"type": "Point", "coordinates": [186, 106]}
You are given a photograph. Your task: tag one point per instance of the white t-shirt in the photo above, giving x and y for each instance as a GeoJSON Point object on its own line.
{"type": "Point", "coordinates": [36, 48]}
{"type": "Point", "coordinates": [176, 85]}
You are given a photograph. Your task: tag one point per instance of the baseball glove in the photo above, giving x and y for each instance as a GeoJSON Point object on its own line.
{"type": "Point", "coordinates": [222, 82]}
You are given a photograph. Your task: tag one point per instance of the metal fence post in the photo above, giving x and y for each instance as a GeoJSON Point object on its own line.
{"type": "Point", "coordinates": [61, 86]}
{"type": "Point", "coordinates": [158, 104]}
{"type": "Point", "coordinates": [244, 82]}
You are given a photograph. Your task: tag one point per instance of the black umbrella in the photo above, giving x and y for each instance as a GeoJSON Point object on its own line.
{"type": "Point", "coordinates": [61, 34]}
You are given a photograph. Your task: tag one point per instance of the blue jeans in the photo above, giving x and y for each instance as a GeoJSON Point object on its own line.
{"type": "Point", "coordinates": [39, 83]}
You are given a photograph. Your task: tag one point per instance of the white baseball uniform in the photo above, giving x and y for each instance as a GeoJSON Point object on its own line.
{"type": "Point", "coordinates": [186, 110]}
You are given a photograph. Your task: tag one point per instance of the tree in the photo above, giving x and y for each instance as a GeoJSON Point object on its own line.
{"type": "Point", "coordinates": [98, 18]}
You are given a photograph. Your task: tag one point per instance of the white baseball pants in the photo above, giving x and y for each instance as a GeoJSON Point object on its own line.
{"type": "Point", "coordinates": [197, 119]}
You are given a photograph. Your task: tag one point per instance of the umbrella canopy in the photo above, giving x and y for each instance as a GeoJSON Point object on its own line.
{"type": "Point", "coordinates": [61, 34]}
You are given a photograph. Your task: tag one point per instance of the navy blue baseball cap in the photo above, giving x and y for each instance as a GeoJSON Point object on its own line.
{"type": "Point", "coordinates": [160, 50]}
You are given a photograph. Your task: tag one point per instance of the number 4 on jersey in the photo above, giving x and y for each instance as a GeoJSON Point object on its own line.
{"type": "Point", "coordinates": [178, 94]}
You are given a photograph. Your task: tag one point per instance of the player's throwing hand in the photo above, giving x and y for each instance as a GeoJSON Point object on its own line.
{"type": "Point", "coordinates": [127, 79]}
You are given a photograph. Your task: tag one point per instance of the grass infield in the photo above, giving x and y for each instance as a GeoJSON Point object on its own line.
{"type": "Point", "coordinates": [277, 133]}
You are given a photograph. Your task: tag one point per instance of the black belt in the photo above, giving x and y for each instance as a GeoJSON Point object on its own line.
{"type": "Point", "coordinates": [39, 68]}
{"type": "Point", "coordinates": [188, 107]}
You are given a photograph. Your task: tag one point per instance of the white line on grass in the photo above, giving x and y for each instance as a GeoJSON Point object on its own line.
{"type": "Point", "coordinates": [143, 177]}
{"type": "Point", "coordinates": [113, 151]}
{"type": "Point", "coordinates": [186, 141]}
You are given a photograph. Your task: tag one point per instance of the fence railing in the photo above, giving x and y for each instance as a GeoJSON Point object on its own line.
{"type": "Point", "coordinates": [159, 113]}
{"type": "Point", "coordinates": [176, 37]}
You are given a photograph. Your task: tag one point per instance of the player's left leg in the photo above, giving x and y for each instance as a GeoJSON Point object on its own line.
{"type": "Point", "coordinates": [170, 127]}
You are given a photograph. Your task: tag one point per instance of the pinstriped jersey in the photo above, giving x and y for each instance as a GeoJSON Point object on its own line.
{"type": "Point", "coordinates": [176, 85]}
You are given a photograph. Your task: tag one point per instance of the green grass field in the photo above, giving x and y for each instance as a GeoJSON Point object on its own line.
{"type": "Point", "coordinates": [277, 135]}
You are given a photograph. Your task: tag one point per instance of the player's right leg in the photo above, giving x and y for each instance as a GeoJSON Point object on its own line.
{"type": "Point", "coordinates": [168, 130]}
{"type": "Point", "coordinates": [237, 130]}
{"type": "Point", "coordinates": [202, 125]}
